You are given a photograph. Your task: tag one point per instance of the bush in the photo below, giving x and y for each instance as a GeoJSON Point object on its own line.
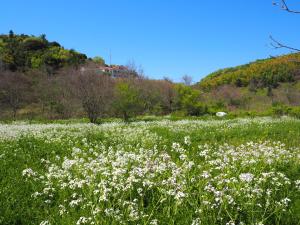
{"type": "Point", "coordinates": [280, 109]}
{"type": "Point", "coordinates": [295, 112]}
{"type": "Point", "coordinates": [196, 109]}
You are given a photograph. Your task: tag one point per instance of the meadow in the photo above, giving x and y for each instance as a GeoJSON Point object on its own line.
{"type": "Point", "coordinates": [231, 171]}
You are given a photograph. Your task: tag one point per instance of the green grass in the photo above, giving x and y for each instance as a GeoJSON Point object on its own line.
{"type": "Point", "coordinates": [57, 143]}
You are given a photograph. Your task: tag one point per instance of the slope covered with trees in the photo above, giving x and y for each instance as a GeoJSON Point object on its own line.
{"type": "Point", "coordinates": [259, 74]}
{"type": "Point", "coordinates": [24, 52]}
{"type": "Point", "coordinates": [40, 79]}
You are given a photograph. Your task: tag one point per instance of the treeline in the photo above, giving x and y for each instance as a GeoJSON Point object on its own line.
{"type": "Point", "coordinates": [76, 93]}
{"type": "Point", "coordinates": [73, 93]}
{"type": "Point", "coordinates": [260, 74]}
{"type": "Point", "coordinates": [41, 79]}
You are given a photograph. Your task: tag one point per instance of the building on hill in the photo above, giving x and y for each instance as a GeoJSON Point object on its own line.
{"type": "Point", "coordinates": [115, 71]}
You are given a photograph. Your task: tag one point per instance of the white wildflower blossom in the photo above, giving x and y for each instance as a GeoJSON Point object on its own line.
{"type": "Point", "coordinates": [28, 172]}
{"type": "Point", "coordinates": [82, 220]}
{"type": "Point", "coordinates": [187, 140]}
{"type": "Point", "coordinates": [196, 221]}
{"type": "Point", "coordinates": [45, 222]}
{"type": "Point", "coordinates": [246, 177]}
{"type": "Point", "coordinates": [133, 169]}
{"type": "Point", "coordinates": [154, 222]}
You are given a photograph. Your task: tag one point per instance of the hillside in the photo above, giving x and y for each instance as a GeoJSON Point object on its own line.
{"type": "Point", "coordinates": [24, 52]}
{"type": "Point", "coordinates": [259, 74]}
{"type": "Point", "coordinates": [42, 79]}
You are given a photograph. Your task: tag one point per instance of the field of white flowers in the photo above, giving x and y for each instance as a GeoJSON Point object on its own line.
{"type": "Point", "coordinates": [241, 171]}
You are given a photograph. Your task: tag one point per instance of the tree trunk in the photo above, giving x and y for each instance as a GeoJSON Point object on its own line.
{"type": "Point", "coordinates": [125, 117]}
{"type": "Point", "coordinates": [14, 114]}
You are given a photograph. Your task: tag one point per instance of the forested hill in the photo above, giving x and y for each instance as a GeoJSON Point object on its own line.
{"type": "Point", "coordinates": [259, 74]}
{"type": "Point", "coordinates": [24, 52]}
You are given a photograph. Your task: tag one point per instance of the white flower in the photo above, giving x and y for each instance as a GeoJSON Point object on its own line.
{"type": "Point", "coordinates": [187, 140]}
{"type": "Point", "coordinates": [297, 182]}
{"type": "Point", "coordinates": [246, 177]}
{"type": "Point", "coordinates": [154, 222]}
{"type": "Point", "coordinates": [82, 220]}
{"type": "Point", "coordinates": [67, 164]}
{"type": "Point", "coordinates": [45, 222]}
{"type": "Point", "coordinates": [28, 173]}
{"type": "Point", "coordinates": [196, 221]}
{"type": "Point", "coordinates": [285, 201]}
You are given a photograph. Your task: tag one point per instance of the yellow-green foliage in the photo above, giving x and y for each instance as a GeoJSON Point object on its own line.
{"type": "Point", "coordinates": [23, 52]}
{"type": "Point", "coordinates": [268, 72]}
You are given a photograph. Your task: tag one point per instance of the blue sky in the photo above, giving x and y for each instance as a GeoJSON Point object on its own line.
{"type": "Point", "coordinates": [167, 37]}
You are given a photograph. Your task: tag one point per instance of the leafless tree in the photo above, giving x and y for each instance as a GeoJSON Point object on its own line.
{"type": "Point", "coordinates": [168, 95]}
{"type": "Point", "coordinates": [95, 93]}
{"type": "Point", "coordinates": [135, 71]}
{"type": "Point", "coordinates": [187, 80]}
{"type": "Point", "coordinates": [230, 95]}
{"type": "Point", "coordinates": [167, 79]}
{"type": "Point", "coordinates": [14, 91]}
{"type": "Point", "coordinates": [56, 95]}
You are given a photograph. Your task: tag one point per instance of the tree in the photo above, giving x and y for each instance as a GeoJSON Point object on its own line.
{"type": "Point", "coordinates": [24, 52]}
{"type": "Point", "coordinates": [14, 91]}
{"type": "Point", "coordinates": [188, 100]}
{"type": "Point", "coordinates": [168, 95]}
{"type": "Point", "coordinates": [95, 93]}
{"type": "Point", "coordinates": [11, 34]}
{"type": "Point", "coordinates": [253, 85]}
{"type": "Point", "coordinates": [99, 60]}
{"type": "Point", "coordinates": [187, 80]}
{"type": "Point", "coordinates": [270, 92]}
{"type": "Point", "coordinates": [133, 70]}
{"type": "Point", "coordinates": [127, 102]}
{"type": "Point", "coordinates": [230, 95]}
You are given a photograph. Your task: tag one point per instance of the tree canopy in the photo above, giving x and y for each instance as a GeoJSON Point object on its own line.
{"type": "Point", "coordinates": [265, 73]}
{"type": "Point", "coordinates": [24, 52]}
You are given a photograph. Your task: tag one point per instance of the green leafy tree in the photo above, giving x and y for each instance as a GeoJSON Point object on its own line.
{"type": "Point", "coordinates": [24, 52]}
{"type": "Point", "coordinates": [99, 60]}
{"type": "Point", "coordinates": [188, 100]}
{"type": "Point", "coordinates": [128, 102]}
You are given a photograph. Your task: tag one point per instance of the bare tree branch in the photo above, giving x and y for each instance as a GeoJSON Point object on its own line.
{"type": "Point", "coordinates": [276, 44]}
{"type": "Point", "coordinates": [283, 5]}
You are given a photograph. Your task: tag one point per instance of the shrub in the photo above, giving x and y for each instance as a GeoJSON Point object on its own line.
{"type": "Point", "coordinates": [280, 109]}
{"type": "Point", "coordinates": [295, 112]}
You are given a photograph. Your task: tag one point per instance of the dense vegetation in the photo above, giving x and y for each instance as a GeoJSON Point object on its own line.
{"type": "Point", "coordinates": [243, 171]}
{"type": "Point", "coordinates": [262, 73]}
{"type": "Point", "coordinates": [40, 79]}
{"type": "Point", "coordinates": [24, 52]}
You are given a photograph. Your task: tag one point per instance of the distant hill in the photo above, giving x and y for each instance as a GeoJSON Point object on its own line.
{"type": "Point", "coordinates": [24, 52]}
{"type": "Point", "coordinates": [259, 74]}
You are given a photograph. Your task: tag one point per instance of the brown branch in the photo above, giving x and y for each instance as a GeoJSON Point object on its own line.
{"type": "Point", "coordinates": [285, 7]}
{"type": "Point", "coordinates": [276, 44]}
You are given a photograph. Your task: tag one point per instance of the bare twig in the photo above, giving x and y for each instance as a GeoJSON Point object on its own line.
{"type": "Point", "coordinates": [285, 7]}
{"type": "Point", "coordinates": [276, 44]}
